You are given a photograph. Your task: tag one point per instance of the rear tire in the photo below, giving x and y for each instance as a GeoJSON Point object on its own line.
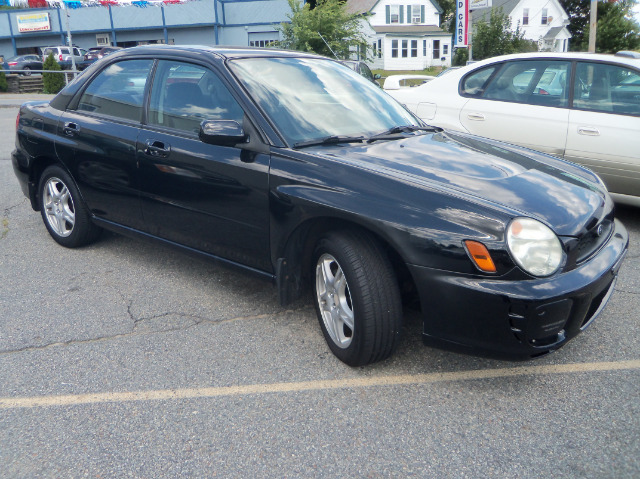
{"type": "Point", "coordinates": [357, 298]}
{"type": "Point", "coordinates": [65, 216]}
{"type": "Point", "coordinates": [27, 71]}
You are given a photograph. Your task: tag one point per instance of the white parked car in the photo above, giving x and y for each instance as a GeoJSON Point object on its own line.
{"type": "Point", "coordinates": [581, 107]}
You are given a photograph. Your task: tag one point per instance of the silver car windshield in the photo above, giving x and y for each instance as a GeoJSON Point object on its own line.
{"type": "Point", "coordinates": [310, 99]}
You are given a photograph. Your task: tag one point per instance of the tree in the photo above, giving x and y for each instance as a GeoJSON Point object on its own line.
{"type": "Point", "coordinates": [617, 30]}
{"type": "Point", "coordinates": [3, 81]}
{"type": "Point", "coordinates": [329, 18]}
{"type": "Point", "coordinates": [52, 82]}
{"type": "Point", "coordinates": [496, 38]}
{"type": "Point", "coordinates": [447, 15]}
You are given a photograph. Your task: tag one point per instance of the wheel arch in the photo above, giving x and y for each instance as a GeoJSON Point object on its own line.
{"type": "Point", "coordinates": [294, 261]}
{"type": "Point", "coordinates": [37, 167]}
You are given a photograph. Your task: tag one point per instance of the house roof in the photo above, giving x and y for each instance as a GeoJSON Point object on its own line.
{"type": "Point", "coordinates": [360, 6]}
{"type": "Point", "coordinates": [484, 13]}
{"type": "Point", "coordinates": [364, 6]}
{"type": "Point", "coordinates": [410, 29]}
{"type": "Point", "coordinates": [553, 33]}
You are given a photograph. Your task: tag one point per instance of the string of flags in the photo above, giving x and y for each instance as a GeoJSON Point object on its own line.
{"type": "Point", "coordinates": [73, 4]}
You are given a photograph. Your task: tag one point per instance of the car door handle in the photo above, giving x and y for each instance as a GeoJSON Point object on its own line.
{"type": "Point", "coordinates": [475, 116]}
{"type": "Point", "coordinates": [588, 130]}
{"type": "Point", "coordinates": [71, 128]}
{"type": "Point", "coordinates": [157, 148]}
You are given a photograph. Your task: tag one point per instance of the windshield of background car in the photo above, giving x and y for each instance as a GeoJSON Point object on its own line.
{"type": "Point", "coordinates": [309, 98]}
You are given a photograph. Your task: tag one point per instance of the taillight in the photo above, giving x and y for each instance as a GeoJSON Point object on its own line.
{"type": "Point", "coordinates": [13, 64]}
{"type": "Point", "coordinates": [543, 91]}
{"type": "Point", "coordinates": [60, 57]}
{"type": "Point", "coordinates": [17, 121]}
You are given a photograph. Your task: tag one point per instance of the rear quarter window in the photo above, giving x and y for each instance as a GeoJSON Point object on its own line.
{"type": "Point", "coordinates": [475, 83]}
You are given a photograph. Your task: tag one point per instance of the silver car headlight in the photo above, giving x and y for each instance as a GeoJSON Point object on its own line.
{"type": "Point", "coordinates": [534, 246]}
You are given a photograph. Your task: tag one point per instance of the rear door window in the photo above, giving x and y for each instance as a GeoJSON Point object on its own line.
{"type": "Point", "coordinates": [118, 90]}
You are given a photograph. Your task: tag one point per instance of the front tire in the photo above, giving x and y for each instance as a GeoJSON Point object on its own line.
{"type": "Point", "coordinates": [63, 212]}
{"type": "Point", "coordinates": [357, 298]}
{"type": "Point", "coordinates": [27, 71]}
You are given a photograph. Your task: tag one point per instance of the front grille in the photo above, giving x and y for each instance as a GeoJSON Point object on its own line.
{"type": "Point", "coordinates": [591, 242]}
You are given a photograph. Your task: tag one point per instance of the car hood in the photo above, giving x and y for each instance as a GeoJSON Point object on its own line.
{"type": "Point", "coordinates": [523, 182]}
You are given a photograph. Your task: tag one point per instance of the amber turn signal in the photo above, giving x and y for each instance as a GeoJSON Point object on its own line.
{"type": "Point", "coordinates": [480, 256]}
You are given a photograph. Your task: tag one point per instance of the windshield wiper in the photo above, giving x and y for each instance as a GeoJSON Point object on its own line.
{"type": "Point", "coordinates": [330, 140]}
{"type": "Point", "coordinates": [393, 133]}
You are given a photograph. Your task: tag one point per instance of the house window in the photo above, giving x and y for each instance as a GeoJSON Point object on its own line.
{"type": "Point", "coordinates": [415, 14]}
{"type": "Point", "coordinates": [445, 49]}
{"type": "Point", "coordinates": [394, 11]}
{"type": "Point", "coordinates": [394, 48]}
{"type": "Point", "coordinates": [436, 49]}
{"type": "Point", "coordinates": [525, 16]}
{"type": "Point", "coordinates": [424, 48]}
{"type": "Point", "coordinates": [545, 16]}
{"type": "Point", "coordinates": [405, 48]}
{"type": "Point", "coordinates": [414, 48]}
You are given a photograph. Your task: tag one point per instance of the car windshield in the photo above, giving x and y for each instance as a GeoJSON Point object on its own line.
{"type": "Point", "coordinates": [312, 98]}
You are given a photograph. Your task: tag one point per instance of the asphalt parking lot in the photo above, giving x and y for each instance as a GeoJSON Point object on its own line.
{"type": "Point", "coordinates": [126, 359]}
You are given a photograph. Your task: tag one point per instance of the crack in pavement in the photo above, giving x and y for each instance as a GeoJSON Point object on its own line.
{"type": "Point", "coordinates": [196, 320]}
{"type": "Point", "coordinates": [8, 209]}
{"type": "Point", "coordinates": [625, 291]}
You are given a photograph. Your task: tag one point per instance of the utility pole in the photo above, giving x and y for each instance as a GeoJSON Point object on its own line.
{"type": "Point", "coordinates": [73, 60]}
{"type": "Point", "coordinates": [470, 37]}
{"type": "Point", "coordinates": [593, 25]}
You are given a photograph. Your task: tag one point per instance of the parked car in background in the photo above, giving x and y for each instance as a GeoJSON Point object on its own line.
{"type": "Point", "coordinates": [582, 107]}
{"type": "Point", "coordinates": [96, 53]}
{"type": "Point", "coordinates": [63, 54]}
{"type": "Point", "coordinates": [363, 69]}
{"type": "Point", "coordinates": [23, 64]}
{"type": "Point", "coordinates": [293, 168]}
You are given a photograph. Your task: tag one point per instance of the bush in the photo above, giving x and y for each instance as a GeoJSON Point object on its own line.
{"type": "Point", "coordinates": [460, 57]}
{"type": "Point", "coordinates": [3, 81]}
{"type": "Point", "coordinates": [53, 82]}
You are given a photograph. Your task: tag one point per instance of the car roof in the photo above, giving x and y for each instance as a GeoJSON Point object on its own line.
{"type": "Point", "coordinates": [594, 57]}
{"type": "Point", "coordinates": [226, 52]}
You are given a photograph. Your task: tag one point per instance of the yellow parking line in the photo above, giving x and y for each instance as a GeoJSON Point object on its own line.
{"type": "Point", "coordinates": [350, 383]}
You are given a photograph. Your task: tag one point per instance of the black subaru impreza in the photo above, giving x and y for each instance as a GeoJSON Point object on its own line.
{"type": "Point", "coordinates": [293, 167]}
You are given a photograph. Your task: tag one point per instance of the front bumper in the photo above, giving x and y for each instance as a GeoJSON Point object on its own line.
{"type": "Point", "coordinates": [517, 319]}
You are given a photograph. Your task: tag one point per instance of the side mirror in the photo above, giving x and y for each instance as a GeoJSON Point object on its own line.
{"type": "Point", "coordinates": [221, 132]}
{"type": "Point", "coordinates": [377, 76]}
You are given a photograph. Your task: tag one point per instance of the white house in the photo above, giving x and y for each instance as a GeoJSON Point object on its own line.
{"type": "Point", "coordinates": [404, 35]}
{"type": "Point", "coordinates": [543, 21]}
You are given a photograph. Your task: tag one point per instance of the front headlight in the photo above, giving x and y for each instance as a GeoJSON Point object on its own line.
{"type": "Point", "coordinates": [535, 248]}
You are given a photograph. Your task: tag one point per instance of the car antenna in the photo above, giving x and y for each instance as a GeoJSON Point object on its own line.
{"type": "Point", "coordinates": [325, 42]}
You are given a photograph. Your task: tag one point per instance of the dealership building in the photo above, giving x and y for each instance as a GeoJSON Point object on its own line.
{"type": "Point", "coordinates": [202, 22]}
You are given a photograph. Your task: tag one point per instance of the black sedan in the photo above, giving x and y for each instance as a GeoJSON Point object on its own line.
{"type": "Point", "coordinates": [293, 167]}
{"type": "Point", "coordinates": [24, 64]}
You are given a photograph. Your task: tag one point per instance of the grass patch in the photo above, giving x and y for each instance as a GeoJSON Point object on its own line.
{"type": "Point", "coordinates": [432, 71]}
{"type": "Point", "coordinates": [5, 228]}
